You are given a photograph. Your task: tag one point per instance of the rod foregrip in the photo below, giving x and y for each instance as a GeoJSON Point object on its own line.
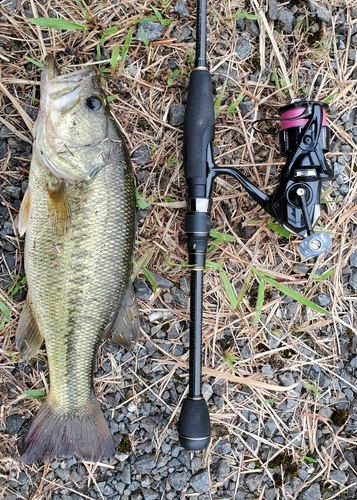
{"type": "Point", "coordinates": [199, 125]}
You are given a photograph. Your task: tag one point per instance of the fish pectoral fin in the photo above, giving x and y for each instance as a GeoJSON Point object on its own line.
{"type": "Point", "coordinates": [28, 336]}
{"type": "Point", "coordinates": [58, 207]}
{"type": "Point", "coordinates": [126, 326]}
{"type": "Point", "coordinates": [23, 218]}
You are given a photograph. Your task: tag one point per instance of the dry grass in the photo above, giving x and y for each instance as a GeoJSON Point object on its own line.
{"type": "Point", "coordinates": [142, 106]}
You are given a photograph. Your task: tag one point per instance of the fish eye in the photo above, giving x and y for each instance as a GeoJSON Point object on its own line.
{"type": "Point", "coordinates": [94, 103]}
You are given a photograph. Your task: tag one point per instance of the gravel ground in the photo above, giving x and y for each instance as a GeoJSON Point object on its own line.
{"type": "Point", "coordinates": [298, 444]}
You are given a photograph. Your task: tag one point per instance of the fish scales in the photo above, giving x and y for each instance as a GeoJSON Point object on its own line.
{"type": "Point", "coordinates": [79, 222]}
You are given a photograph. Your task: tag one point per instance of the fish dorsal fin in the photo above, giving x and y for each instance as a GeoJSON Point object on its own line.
{"type": "Point", "coordinates": [28, 336]}
{"type": "Point", "coordinates": [58, 206]}
{"type": "Point", "coordinates": [24, 214]}
{"type": "Point", "coordinates": [126, 326]}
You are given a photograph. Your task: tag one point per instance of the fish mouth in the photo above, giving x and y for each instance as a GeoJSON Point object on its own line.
{"type": "Point", "coordinates": [51, 72]}
{"type": "Point", "coordinates": [50, 67]}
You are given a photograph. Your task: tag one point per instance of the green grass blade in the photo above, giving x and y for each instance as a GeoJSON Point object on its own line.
{"type": "Point", "coordinates": [277, 228]}
{"type": "Point", "coordinates": [140, 202]}
{"type": "Point", "coordinates": [293, 294]}
{"type": "Point", "coordinates": [5, 310]}
{"type": "Point", "coordinates": [114, 58]}
{"type": "Point", "coordinates": [213, 265]}
{"type": "Point", "coordinates": [58, 24]}
{"type": "Point", "coordinates": [260, 300]}
{"type": "Point", "coordinates": [243, 290]}
{"type": "Point", "coordinates": [228, 288]}
{"type": "Point", "coordinates": [218, 101]}
{"type": "Point", "coordinates": [33, 61]}
{"type": "Point", "coordinates": [150, 277]}
{"type": "Point", "coordinates": [141, 263]}
{"type": "Point", "coordinates": [233, 107]}
{"type": "Point", "coordinates": [125, 49]}
{"type": "Point", "coordinates": [173, 75]}
{"type": "Point", "coordinates": [110, 31]}
{"type": "Point", "coordinates": [34, 393]}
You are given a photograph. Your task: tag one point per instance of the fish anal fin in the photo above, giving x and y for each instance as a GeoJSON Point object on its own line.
{"type": "Point", "coordinates": [24, 214]}
{"type": "Point", "coordinates": [54, 433]}
{"type": "Point", "coordinates": [58, 207]}
{"type": "Point", "coordinates": [126, 326]}
{"type": "Point", "coordinates": [28, 336]}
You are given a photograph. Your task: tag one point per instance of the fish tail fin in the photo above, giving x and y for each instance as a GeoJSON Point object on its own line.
{"type": "Point", "coordinates": [55, 433]}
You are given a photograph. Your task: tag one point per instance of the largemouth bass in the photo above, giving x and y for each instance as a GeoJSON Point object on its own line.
{"type": "Point", "coordinates": [79, 217]}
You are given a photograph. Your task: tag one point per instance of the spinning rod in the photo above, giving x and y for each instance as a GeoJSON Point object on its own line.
{"type": "Point", "coordinates": [303, 138]}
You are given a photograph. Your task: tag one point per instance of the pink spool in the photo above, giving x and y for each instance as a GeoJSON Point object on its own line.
{"type": "Point", "coordinates": [293, 114]}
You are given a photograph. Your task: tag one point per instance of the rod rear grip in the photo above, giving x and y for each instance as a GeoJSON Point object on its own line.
{"type": "Point", "coordinates": [199, 124]}
{"type": "Point", "coordinates": [194, 427]}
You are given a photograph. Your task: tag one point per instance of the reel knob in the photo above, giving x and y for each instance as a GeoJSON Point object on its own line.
{"type": "Point", "coordinates": [315, 244]}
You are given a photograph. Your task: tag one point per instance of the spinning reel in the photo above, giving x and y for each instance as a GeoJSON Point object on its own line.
{"type": "Point", "coordinates": [303, 139]}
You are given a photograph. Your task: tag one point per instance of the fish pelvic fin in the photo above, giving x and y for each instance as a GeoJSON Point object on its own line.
{"type": "Point", "coordinates": [28, 336]}
{"type": "Point", "coordinates": [126, 326]}
{"type": "Point", "coordinates": [55, 433]}
{"type": "Point", "coordinates": [23, 218]}
{"type": "Point", "coordinates": [58, 207]}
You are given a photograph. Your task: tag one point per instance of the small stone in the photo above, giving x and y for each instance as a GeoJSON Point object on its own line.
{"type": "Point", "coordinates": [185, 285]}
{"type": "Point", "coordinates": [62, 473]}
{"type": "Point", "coordinates": [353, 280]}
{"type": "Point", "coordinates": [207, 391]}
{"type": "Point", "coordinates": [162, 282]}
{"type": "Point", "coordinates": [145, 463]}
{"type": "Point", "coordinates": [179, 297]}
{"type": "Point", "coordinates": [303, 473]}
{"type": "Point", "coordinates": [14, 424]}
{"type": "Point", "coordinates": [312, 493]}
{"type": "Point", "coordinates": [13, 191]}
{"type": "Point", "coordinates": [3, 149]}
{"type": "Point", "coordinates": [141, 156]}
{"type": "Point", "coordinates": [181, 8]}
{"type": "Point", "coordinates": [353, 259]}
{"type": "Point", "coordinates": [178, 480]}
{"type": "Point", "coordinates": [338, 168]}
{"type": "Point", "coordinates": [252, 28]}
{"type": "Point", "coordinates": [149, 494]}
{"type": "Point", "coordinates": [270, 428]}
{"type": "Point", "coordinates": [321, 12]}
{"type": "Point", "coordinates": [142, 290]}
{"type": "Point", "coordinates": [253, 481]}
{"type": "Point", "coordinates": [273, 10]}
{"type": "Point", "coordinates": [199, 482]}
{"type": "Point", "coordinates": [338, 476]}
{"type": "Point", "coordinates": [10, 5]}
{"type": "Point", "coordinates": [286, 379]}
{"type": "Point", "coordinates": [301, 269]}
{"type": "Point", "coordinates": [268, 371]}
{"type": "Point", "coordinates": [184, 458]}
{"type": "Point", "coordinates": [286, 17]}
{"type": "Point", "coordinates": [223, 448]}
{"type": "Point", "coordinates": [246, 108]}
{"type": "Point", "coordinates": [344, 189]}
{"type": "Point", "coordinates": [150, 31]}
{"type": "Point", "coordinates": [243, 48]}
{"type": "Point", "coordinates": [323, 300]}
{"type": "Point", "coordinates": [176, 114]}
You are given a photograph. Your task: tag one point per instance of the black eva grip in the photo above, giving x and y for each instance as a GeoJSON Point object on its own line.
{"type": "Point", "coordinates": [198, 131]}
